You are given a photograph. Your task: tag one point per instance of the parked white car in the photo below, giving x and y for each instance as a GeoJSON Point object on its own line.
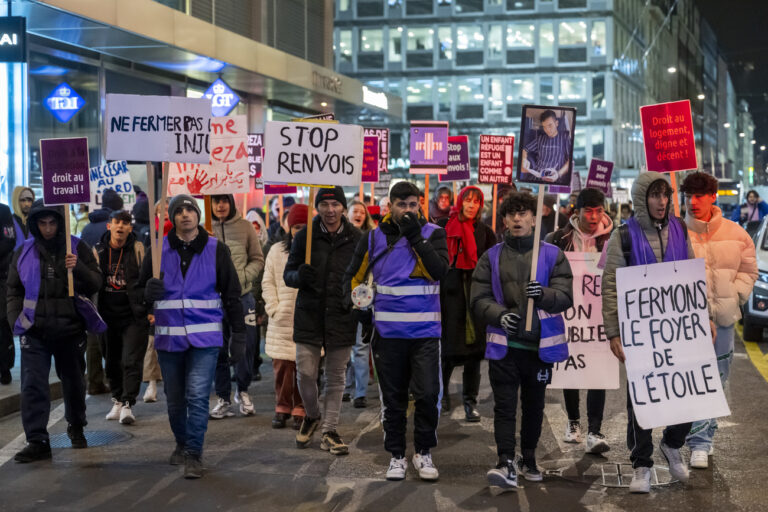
{"type": "Point", "coordinates": [756, 308]}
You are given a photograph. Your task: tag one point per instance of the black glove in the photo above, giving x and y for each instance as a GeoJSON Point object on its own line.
{"type": "Point", "coordinates": [534, 291]}
{"type": "Point", "coordinates": [236, 347]}
{"type": "Point", "coordinates": [410, 227]}
{"type": "Point", "coordinates": [307, 276]}
{"type": "Point", "coordinates": [510, 322]}
{"type": "Point", "coordinates": [154, 289]}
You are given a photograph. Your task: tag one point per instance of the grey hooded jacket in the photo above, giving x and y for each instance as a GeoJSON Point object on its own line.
{"type": "Point", "coordinates": [655, 231]}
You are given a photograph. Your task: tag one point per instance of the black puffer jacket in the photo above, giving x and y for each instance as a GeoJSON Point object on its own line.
{"type": "Point", "coordinates": [322, 316]}
{"type": "Point", "coordinates": [97, 226]}
{"type": "Point", "coordinates": [7, 242]}
{"type": "Point", "coordinates": [55, 315]}
{"type": "Point", "coordinates": [133, 256]}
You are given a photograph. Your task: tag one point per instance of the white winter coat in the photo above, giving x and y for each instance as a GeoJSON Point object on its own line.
{"type": "Point", "coordinates": [729, 254]}
{"type": "Point", "coordinates": [279, 303]}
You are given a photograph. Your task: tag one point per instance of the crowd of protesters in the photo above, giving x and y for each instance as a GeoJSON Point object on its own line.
{"type": "Point", "coordinates": [445, 290]}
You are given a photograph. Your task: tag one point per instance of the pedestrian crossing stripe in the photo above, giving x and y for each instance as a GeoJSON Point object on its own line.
{"type": "Point", "coordinates": [759, 360]}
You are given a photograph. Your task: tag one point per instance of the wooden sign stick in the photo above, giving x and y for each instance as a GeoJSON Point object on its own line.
{"type": "Point", "coordinates": [426, 196]}
{"type": "Point", "coordinates": [675, 194]}
{"type": "Point", "coordinates": [208, 219]}
{"type": "Point", "coordinates": [158, 247]}
{"type": "Point", "coordinates": [557, 212]}
{"type": "Point", "coordinates": [280, 209]}
{"type": "Point", "coordinates": [373, 199]}
{"type": "Point", "coordinates": [67, 234]}
{"type": "Point", "coordinates": [493, 214]}
{"type": "Point", "coordinates": [266, 201]}
{"type": "Point", "coordinates": [535, 255]}
{"type": "Point", "coordinates": [361, 194]}
{"type": "Point", "coordinates": [455, 196]}
{"type": "Point", "coordinates": [308, 254]}
{"type": "Point", "coordinates": [152, 228]}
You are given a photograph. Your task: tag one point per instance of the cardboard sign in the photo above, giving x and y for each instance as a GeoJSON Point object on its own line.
{"type": "Point", "coordinates": [64, 167]}
{"type": "Point", "coordinates": [668, 136]}
{"type": "Point", "coordinates": [227, 170]}
{"type": "Point", "coordinates": [429, 147]}
{"type": "Point", "coordinates": [383, 135]}
{"type": "Point", "coordinates": [458, 159]}
{"type": "Point", "coordinates": [115, 176]}
{"type": "Point", "coordinates": [621, 196]}
{"type": "Point", "coordinates": [590, 364]}
{"type": "Point", "coordinates": [671, 366]}
{"type": "Point", "coordinates": [559, 189]}
{"type": "Point", "coordinates": [370, 159]}
{"type": "Point", "coordinates": [496, 159]}
{"type": "Point", "coordinates": [599, 176]}
{"type": "Point", "coordinates": [313, 153]}
{"type": "Point", "coordinates": [158, 128]}
{"type": "Point", "coordinates": [255, 143]}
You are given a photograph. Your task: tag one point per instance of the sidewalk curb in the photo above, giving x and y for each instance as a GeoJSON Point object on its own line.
{"type": "Point", "coordinates": [12, 403]}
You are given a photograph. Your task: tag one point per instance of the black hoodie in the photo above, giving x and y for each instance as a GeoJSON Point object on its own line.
{"type": "Point", "coordinates": [121, 299]}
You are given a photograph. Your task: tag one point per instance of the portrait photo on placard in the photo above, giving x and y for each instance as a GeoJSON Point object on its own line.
{"type": "Point", "coordinates": [546, 145]}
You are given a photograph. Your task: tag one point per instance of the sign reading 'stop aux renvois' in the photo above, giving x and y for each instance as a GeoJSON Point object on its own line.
{"type": "Point", "coordinates": [13, 39]}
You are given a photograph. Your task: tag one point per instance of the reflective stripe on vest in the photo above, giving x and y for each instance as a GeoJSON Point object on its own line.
{"type": "Point", "coordinates": [190, 314]}
{"type": "Point", "coordinates": [404, 307]}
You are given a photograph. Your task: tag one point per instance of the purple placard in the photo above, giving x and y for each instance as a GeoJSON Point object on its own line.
{"type": "Point", "coordinates": [64, 164]}
{"type": "Point", "coordinates": [575, 185]}
{"type": "Point", "coordinates": [429, 147]}
{"type": "Point", "coordinates": [370, 159]}
{"type": "Point", "coordinates": [458, 159]}
{"type": "Point", "coordinates": [599, 176]}
{"type": "Point", "coordinates": [279, 189]}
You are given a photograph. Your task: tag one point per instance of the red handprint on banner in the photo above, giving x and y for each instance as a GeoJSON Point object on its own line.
{"type": "Point", "coordinates": [196, 184]}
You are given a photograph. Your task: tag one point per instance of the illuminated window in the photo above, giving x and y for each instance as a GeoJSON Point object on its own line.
{"type": "Point", "coordinates": [371, 40]}
{"type": "Point", "coordinates": [395, 44]}
{"type": "Point", "coordinates": [495, 43]}
{"type": "Point", "coordinates": [420, 38]}
{"type": "Point", "coordinates": [419, 91]}
{"type": "Point", "coordinates": [445, 41]}
{"type": "Point", "coordinates": [546, 40]}
{"type": "Point", "coordinates": [345, 45]}
{"type": "Point", "coordinates": [598, 38]}
{"type": "Point", "coordinates": [495, 96]}
{"type": "Point", "coordinates": [572, 33]}
{"type": "Point", "coordinates": [469, 37]}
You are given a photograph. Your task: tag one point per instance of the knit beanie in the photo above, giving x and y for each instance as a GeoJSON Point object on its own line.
{"type": "Point", "coordinates": [298, 214]}
{"type": "Point", "coordinates": [336, 193]}
{"type": "Point", "coordinates": [179, 201]}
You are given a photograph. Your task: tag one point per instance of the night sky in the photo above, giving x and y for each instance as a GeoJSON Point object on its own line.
{"type": "Point", "coordinates": [742, 32]}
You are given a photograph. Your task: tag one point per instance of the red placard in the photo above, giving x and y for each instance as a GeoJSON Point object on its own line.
{"type": "Point", "coordinates": [495, 163]}
{"type": "Point", "coordinates": [370, 159]}
{"type": "Point", "coordinates": [668, 136]}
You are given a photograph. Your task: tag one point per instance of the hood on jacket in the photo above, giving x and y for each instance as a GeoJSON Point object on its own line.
{"type": "Point", "coordinates": [39, 209]}
{"type": "Point", "coordinates": [15, 201]}
{"type": "Point", "coordinates": [606, 225]}
{"type": "Point", "coordinates": [255, 216]}
{"type": "Point", "coordinates": [100, 215]}
{"type": "Point", "coordinates": [640, 196]}
{"type": "Point", "coordinates": [141, 212]}
{"type": "Point", "coordinates": [232, 207]}
{"type": "Point", "coordinates": [436, 212]}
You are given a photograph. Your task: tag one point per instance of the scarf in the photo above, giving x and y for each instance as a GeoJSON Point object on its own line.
{"type": "Point", "coordinates": [461, 234]}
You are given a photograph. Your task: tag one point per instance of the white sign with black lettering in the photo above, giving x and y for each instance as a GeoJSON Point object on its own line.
{"type": "Point", "coordinates": [313, 153]}
{"type": "Point", "coordinates": [590, 364]}
{"type": "Point", "coordinates": [672, 374]}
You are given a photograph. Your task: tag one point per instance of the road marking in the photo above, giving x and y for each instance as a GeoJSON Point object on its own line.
{"type": "Point", "coordinates": [759, 360]}
{"type": "Point", "coordinates": [8, 451]}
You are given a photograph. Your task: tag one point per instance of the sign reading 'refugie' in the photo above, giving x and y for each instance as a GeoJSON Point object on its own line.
{"type": "Point", "coordinates": [313, 153]}
{"type": "Point", "coordinates": [158, 128]}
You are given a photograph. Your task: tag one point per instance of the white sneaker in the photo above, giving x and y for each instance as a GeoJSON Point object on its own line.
{"type": "Point", "coordinates": [572, 432]}
{"type": "Point", "coordinates": [711, 449]}
{"type": "Point", "coordinates": [641, 481]}
{"type": "Point", "coordinates": [425, 466]}
{"type": "Point", "coordinates": [246, 406]}
{"type": "Point", "coordinates": [699, 459]}
{"type": "Point", "coordinates": [150, 395]}
{"type": "Point", "coordinates": [114, 412]}
{"type": "Point", "coordinates": [223, 409]}
{"type": "Point", "coordinates": [596, 443]}
{"type": "Point", "coordinates": [503, 476]}
{"type": "Point", "coordinates": [677, 467]}
{"type": "Point", "coordinates": [126, 415]}
{"type": "Point", "coordinates": [397, 468]}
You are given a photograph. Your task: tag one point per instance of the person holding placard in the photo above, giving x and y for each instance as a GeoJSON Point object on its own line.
{"type": "Point", "coordinates": [244, 246]}
{"type": "Point", "coordinates": [650, 236]}
{"type": "Point", "coordinates": [50, 323]}
{"type": "Point", "coordinates": [198, 285]}
{"type": "Point", "coordinates": [463, 339]}
{"type": "Point", "coordinates": [7, 246]}
{"type": "Point", "coordinates": [731, 264]}
{"type": "Point", "coordinates": [406, 257]}
{"type": "Point", "coordinates": [519, 359]}
{"type": "Point", "coordinates": [322, 318]}
{"type": "Point", "coordinates": [588, 231]}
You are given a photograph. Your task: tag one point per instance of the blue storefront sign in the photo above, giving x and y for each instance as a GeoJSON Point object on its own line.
{"type": "Point", "coordinates": [64, 103]}
{"type": "Point", "coordinates": [223, 98]}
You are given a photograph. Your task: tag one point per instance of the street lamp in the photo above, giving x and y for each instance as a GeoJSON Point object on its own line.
{"type": "Point", "coordinates": [701, 96]}
{"type": "Point", "coordinates": [323, 104]}
{"type": "Point", "coordinates": [671, 69]}
{"type": "Point", "coordinates": [753, 142]}
{"type": "Point", "coordinates": [741, 134]}
{"type": "Point", "coordinates": [726, 125]}
{"type": "Point", "coordinates": [762, 148]}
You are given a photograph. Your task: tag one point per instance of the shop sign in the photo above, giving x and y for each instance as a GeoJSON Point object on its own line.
{"type": "Point", "coordinates": [64, 103]}
{"type": "Point", "coordinates": [13, 39]}
{"type": "Point", "coordinates": [223, 98]}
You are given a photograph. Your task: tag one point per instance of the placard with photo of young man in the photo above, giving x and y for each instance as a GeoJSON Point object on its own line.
{"type": "Point", "coordinates": [546, 145]}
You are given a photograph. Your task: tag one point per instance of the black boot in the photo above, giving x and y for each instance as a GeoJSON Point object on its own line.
{"type": "Point", "coordinates": [471, 414]}
{"type": "Point", "coordinates": [446, 403]}
{"type": "Point", "coordinates": [34, 451]}
{"type": "Point", "coordinates": [77, 437]}
{"type": "Point", "coordinates": [279, 420]}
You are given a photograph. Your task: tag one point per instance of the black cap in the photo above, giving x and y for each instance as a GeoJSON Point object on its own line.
{"type": "Point", "coordinates": [336, 193]}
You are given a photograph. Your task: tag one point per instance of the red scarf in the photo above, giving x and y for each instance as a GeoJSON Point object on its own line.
{"type": "Point", "coordinates": [461, 234]}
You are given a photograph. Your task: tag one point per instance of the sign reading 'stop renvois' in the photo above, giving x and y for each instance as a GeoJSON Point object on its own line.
{"type": "Point", "coordinates": [313, 153]}
{"type": "Point", "coordinates": [158, 128]}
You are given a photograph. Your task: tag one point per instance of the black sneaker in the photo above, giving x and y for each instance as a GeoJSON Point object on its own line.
{"type": "Point", "coordinates": [297, 421]}
{"type": "Point", "coordinates": [529, 470]}
{"type": "Point", "coordinates": [34, 451]}
{"type": "Point", "coordinates": [503, 476]}
{"type": "Point", "coordinates": [193, 466]}
{"type": "Point", "coordinates": [471, 414]}
{"type": "Point", "coordinates": [308, 427]}
{"type": "Point", "coordinates": [360, 402]}
{"type": "Point", "coordinates": [177, 457]}
{"type": "Point", "coordinates": [5, 377]}
{"type": "Point", "coordinates": [279, 420]}
{"type": "Point", "coordinates": [346, 397]}
{"type": "Point", "coordinates": [77, 437]}
{"type": "Point", "coordinates": [332, 443]}
{"type": "Point", "coordinates": [256, 377]}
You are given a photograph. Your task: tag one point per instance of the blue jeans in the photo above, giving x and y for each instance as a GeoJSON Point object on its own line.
{"type": "Point", "coordinates": [703, 431]}
{"type": "Point", "coordinates": [243, 368]}
{"type": "Point", "coordinates": [187, 378]}
{"type": "Point", "coordinates": [357, 367]}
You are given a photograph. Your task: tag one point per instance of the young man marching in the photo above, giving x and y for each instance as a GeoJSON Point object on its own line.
{"type": "Point", "coordinates": [588, 231]}
{"type": "Point", "coordinates": [501, 287]}
{"type": "Point", "coordinates": [731, 264]}
{"type": "Point", "coordinates": [651, 236]}
{"type": "Point", "coordinates": [408, 257]}
{"type": "Point", "coordinates": [121, 304]}
{"type": "Point", "coordinates": [198, 285]}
